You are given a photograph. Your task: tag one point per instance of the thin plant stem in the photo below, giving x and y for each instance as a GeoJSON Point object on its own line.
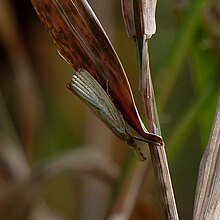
{"type": "Point", "coordinates": [158, 153]}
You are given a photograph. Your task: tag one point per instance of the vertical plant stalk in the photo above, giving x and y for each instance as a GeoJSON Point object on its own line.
{"type": "Point", "coordinates": [158, 154]}
{"type": "Point", "coordinates": [139, 17]}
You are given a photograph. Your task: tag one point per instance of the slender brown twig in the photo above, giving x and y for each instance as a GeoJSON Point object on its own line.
{"type": "Point", "coordinates": [158, 153]}
{"type": "Point", "coordinates": [144, 20]}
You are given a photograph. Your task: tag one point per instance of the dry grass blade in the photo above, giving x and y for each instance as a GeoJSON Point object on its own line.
{"type": "Point", "coordinates": [207, 199]}
{"type": "Point", "coordinates": [90, 49]}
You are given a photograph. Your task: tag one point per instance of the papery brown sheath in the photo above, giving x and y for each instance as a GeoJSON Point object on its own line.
{"type": "Point", "coordinates": [82, 42]}
{"type": "Point", "coordinates": [139, 17]}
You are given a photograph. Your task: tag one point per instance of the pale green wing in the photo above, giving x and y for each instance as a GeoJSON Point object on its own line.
{"type": "Point", "coordinates": [90, 92]}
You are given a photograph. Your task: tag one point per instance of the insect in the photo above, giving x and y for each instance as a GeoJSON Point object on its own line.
{"type": "Point", "coordinates": [90, 92]}
{"type": "Point", "coordinates": [82, 42]}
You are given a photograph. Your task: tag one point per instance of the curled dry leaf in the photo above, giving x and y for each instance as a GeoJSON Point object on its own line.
{"type": "Point", "coordinates": [82, 42]}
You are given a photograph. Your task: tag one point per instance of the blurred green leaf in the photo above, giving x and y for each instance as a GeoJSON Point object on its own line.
{"type": "Point", "coordinates": [171, 70]}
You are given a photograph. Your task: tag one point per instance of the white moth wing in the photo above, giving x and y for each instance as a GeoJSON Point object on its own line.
{"type": "Point", "coordinates": [90, 92]}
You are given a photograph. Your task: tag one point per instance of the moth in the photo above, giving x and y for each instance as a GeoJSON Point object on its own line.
{"type": "Point", "coordinates": [82, 42]}
{"type": "Point", "coordinates": [90, 92]}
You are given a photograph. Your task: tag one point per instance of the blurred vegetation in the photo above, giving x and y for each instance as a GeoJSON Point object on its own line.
{"type": "Point", "coordinates": [41, 121]}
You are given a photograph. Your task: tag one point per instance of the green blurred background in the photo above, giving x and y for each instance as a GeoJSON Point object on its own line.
{"type": "Point", "coordinates": [41, 118]}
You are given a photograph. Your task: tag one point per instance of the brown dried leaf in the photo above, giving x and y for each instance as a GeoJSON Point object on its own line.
{"type": "Point", "coordinates": [83, 43]}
